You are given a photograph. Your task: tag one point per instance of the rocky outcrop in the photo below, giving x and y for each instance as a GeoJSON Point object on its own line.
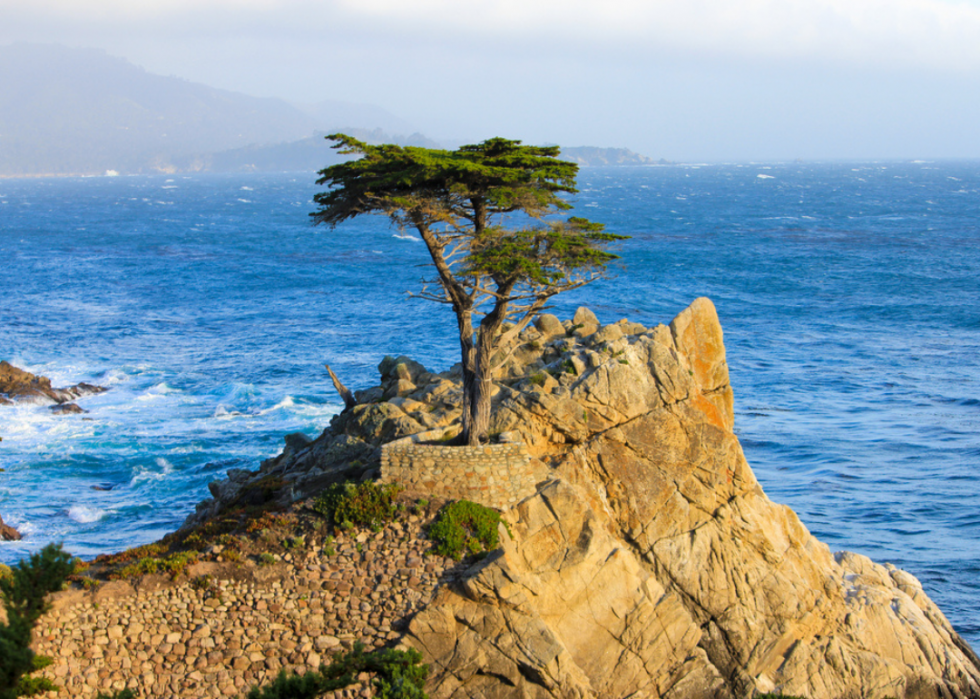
{"type": "Point", "coordinates": [651, 562]}
{"type": "Point", "coordinates": [19, 385]}
{"type": "Point", "coordinates": [8, 533]}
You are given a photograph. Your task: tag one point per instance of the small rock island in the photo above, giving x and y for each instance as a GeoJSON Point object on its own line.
{"type": "Point", "coordinates": [641, 557]}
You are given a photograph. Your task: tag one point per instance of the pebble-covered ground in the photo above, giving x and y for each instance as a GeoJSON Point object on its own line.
{"type": "Point", "coordinates": [225, 633]}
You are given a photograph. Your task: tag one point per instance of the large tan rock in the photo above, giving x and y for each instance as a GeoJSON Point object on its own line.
{"type": "Point", "coordinates": [650, 563]}
{"type": "Point", "coordinates": [655, 565]}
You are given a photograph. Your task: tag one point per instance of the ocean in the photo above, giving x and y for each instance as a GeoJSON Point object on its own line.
{"type": "Point", "coordinates": [849, 295]}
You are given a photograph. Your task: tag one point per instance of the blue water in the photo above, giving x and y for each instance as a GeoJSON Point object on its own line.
{"type": "Point", "coordinates": [849, 295]}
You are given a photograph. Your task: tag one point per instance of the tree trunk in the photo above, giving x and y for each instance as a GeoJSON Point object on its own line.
{"type": "Point", "coordinates": [482, 389]}
{"type": "Point", "coordinates": [487, 341]}
{"type": "Point", "coordinates": [464, 319]}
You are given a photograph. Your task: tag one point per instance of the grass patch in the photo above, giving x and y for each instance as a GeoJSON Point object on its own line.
{"type": "Point", "coordinates": [465, 526]}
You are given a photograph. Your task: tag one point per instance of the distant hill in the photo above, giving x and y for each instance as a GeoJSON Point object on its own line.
{"type": "Point", "coordinates": [70, 111]}
{"type": "Point", "coordinates": [315, 153]}
{"type": "Point", "coordinates": [81, 111]}
{"type": "Point", "coordinates": [590, 156]}
{"type": "Point", "coordinates": [306, 155]}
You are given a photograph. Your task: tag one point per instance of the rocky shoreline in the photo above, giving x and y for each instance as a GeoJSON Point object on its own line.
{"type": "Point", "coordinates": [647, 562]}
{"type": "Point", "coordinates": [17, 385]}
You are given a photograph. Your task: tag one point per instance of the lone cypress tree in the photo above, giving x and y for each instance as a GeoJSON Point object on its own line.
{"type": "Point", "coordinates": [456, 201]}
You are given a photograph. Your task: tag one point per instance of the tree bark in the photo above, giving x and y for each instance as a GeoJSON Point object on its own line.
{"type": "Point", "coordinates": [487, 341]}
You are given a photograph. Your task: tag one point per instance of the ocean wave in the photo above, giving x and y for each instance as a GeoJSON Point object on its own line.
{"type": "Point", "coordinates": [144, 474]}
{"type": "Point", "coordinates": [287, 402]}
{"type": "Point", "coordinates": [83, 514]}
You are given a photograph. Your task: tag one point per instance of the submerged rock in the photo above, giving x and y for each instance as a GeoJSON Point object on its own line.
{"type": "Point", "coordinates": [67, 409]}
{"type": "Point", "coordinates": [19, 385]}
{"type": "Point", "coordinates": [650, 562]}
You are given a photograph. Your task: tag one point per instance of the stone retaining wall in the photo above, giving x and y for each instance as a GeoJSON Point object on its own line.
{"type": "Point", "coordinates": [495, 475]}
{"type": "Point", "coordinates": [184, 641]}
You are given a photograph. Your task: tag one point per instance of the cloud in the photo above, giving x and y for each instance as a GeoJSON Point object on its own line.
{"type": "Point", "coordinates": [927, 33]}
{"type": "Point", "coordinates": [901, 33]}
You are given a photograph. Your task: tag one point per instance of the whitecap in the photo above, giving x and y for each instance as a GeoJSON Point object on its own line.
{"type": "Point", "coordinates": [144, 473]}
{"type": "Point", "coordinates": [83, 514]}
{"type": "Point", "coordinates": [765, 177]}
{"type": "Point", "coordinates": [245, 201]}
{"type": "Point", "coordinates": [162, 388]}
{"type": "Point", "coordinates": [286, 402]}
{"type": "Point", "coordinates": [247, 189]}
{"type": "Point", "coordinates": [405, 236]}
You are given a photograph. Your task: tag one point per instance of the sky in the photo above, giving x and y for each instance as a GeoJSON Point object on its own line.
{"type": "Point", "coordinates": [685, 80]}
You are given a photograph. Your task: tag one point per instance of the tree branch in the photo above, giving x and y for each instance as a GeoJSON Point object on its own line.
{"type": "Point", "coordinates": [349, 400]}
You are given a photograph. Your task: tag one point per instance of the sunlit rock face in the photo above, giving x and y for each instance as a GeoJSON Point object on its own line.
{"type": "Point", "coordinates": [654, 565]}
{"type": "Point", "coordinates": [649, 563]}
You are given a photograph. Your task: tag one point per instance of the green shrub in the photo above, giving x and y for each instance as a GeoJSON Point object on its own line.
{"type": "Point", "coordinates": [173, 564]}
{"type": "Point", "coordinates": [266, 559]}
{"type": "Point", "coordinates": [465, 525]}
{"type": "Point", "coordinates": [29, 686]}
{"type": "Point", "coordinates": [23, 593]}
{"type": "Point", "coordinates": [538, 378]}
{"type": "Point", "coordinates": [203, 582]}
{"type": "Point", "coordinates": [367, 504]}
{"type": "Point", "coordinates": [398, 675]}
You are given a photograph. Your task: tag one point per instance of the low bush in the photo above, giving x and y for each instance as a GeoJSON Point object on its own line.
{"type": "Point", "coordinates": [398, 675]}
{"type": "Point", "coordinates": [367, 504]}
{"type": "Point", "coordinates": [465, 526]}
{"type": "Point", "coordinates": [30, 686]}
{"type": "Point", "coordinates": [173, 565]}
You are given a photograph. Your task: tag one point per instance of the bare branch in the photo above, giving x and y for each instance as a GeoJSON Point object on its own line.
{"type": "Point", "coordinates": [349, 400]}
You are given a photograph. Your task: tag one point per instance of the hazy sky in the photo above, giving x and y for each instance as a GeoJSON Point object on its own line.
{"type": "Point", "coordinates": [680, 79]}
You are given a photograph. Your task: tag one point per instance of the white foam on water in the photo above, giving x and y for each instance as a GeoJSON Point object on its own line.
{"type": "Point", "coordinates": [765, 177]}
{"type": "Point", "coordinates": [248, 189]}
{"type": "Point", "coordinates": [161, 389]}
{"type": "Point", "coordinates": [147, 473]}
{"type": "Point", "coordinates": [25, 527]}
{"type": "Point", "coordinates": [245, 201]}
{"type": "Point", "coordinates": [83, 514]}
{"type": "Point", "coordinates": [286, 402]}
{"type": "Point", "coordinates": [405, 236]}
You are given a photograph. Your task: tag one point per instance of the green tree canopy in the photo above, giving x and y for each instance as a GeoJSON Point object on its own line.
{"type": "Point", "coordinates": [458, 201]}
